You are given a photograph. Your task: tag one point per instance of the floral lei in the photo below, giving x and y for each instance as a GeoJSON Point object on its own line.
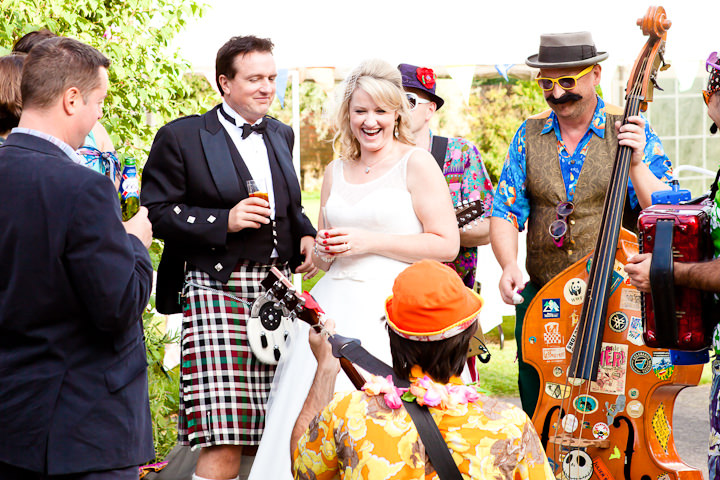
{"type": "Point", "coordinates": [423, 390]}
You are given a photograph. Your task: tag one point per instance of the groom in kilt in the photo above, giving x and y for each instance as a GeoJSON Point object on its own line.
{"type": "Point", "coordinates": [220, 242]}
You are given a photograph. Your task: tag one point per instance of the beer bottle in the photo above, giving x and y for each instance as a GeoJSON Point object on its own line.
{"type": "Point", "coordinates": [129, 190]}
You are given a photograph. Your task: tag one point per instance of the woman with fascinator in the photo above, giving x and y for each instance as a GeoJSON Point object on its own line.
{"type": "Point", "coordinates": [384, 205]}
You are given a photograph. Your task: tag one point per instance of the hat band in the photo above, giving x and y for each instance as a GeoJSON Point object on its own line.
{"type": "Point", "coordinates": [566, 54]}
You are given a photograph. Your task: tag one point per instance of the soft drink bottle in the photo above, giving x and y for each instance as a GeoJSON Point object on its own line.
{"type": "Point", "coordinates": [129, 190]}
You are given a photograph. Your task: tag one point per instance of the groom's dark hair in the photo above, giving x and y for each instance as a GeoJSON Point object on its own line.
{"type": "Point", "coordinates": [225, 60]}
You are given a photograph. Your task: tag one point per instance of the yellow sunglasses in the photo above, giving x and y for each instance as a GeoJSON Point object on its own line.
{"type": "Point", "coordinates": [566, 83]}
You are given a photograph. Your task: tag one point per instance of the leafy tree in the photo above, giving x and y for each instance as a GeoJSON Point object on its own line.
{"type": "Point", "coordinates": [496, 111]}
{"type": "Point", "coordinates": [146, 78]}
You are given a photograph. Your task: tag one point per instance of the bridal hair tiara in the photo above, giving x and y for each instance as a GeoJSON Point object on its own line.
{"type": "Point", "coordinates": [350, 83]}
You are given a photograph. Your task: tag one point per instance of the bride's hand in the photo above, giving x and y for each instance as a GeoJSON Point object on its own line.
{"type": "Point", "coordinates": [343, 242]}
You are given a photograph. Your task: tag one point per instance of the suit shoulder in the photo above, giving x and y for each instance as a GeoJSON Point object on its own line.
{"type": "Point", "coordinates": [541, 115]}
{"type": "Point", "coordinates": [184, 121]}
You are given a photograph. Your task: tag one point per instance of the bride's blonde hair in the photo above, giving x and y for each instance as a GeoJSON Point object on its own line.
{"type": "Point", "coordinates": [383, 83]}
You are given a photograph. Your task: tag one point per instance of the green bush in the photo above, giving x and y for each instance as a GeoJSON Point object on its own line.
{"type": "Point", "coordinates": [163, 385]}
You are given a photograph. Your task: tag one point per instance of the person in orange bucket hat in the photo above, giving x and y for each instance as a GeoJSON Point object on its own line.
{"type": "Point", "coordinates": [431, 317]}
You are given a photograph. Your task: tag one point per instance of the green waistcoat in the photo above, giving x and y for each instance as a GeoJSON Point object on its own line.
{"type": "Point", "coordinates": [546, 189]}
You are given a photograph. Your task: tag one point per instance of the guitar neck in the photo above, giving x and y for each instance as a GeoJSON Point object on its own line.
{"type": "Point", "coordinates": [312, 316]}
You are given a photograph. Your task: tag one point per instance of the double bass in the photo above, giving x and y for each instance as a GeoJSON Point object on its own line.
{"type": "Point", "coordinates": [606, 400]}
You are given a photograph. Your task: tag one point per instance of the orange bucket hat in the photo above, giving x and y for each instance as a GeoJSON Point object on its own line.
{"type": "Point", "coordinates": [430, 302]}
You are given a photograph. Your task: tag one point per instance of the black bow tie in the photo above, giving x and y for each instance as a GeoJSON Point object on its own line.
{"type": "Point", "coordinates": [247, 129]}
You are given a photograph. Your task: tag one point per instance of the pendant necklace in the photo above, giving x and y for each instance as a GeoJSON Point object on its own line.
{"type": "Point", "coordinates": [368, 167]}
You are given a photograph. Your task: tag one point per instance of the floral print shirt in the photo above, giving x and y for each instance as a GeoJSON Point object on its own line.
{"type": "Point", "coordinates": [468, 180]}
{"type": "Point", "coordinates": [358, 436]}
{"type": "Point", "coordinates": [511, 202]}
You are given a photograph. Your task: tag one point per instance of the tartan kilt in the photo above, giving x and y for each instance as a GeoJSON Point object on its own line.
{"type": "Point", "coordinates": [224, 388]}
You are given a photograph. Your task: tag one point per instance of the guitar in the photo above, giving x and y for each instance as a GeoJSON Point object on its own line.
{"type": "Point", "coordinates": [468, 213]}
{"type": "Point", "coordinates": [269, 325]}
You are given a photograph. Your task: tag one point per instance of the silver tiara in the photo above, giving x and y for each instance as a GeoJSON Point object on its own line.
{"type": "Point", "coordinates": [350, 83]}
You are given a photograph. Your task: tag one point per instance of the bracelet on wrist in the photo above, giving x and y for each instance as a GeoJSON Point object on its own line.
{"type": "Point", "coordinates": [322, 256]}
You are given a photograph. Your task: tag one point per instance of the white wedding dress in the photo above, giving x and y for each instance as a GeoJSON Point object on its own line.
{"type": "Point", "coordinates": [352, 293]}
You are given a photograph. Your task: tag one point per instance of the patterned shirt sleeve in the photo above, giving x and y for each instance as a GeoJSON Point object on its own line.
{"type": "Point", "coordinates": [511, 202]}
{"type": "Point", "coordinates": [476, 181]}
{"type": "Point", "coordinates": [316, 455]}
{"type": "Point", "coordinates": [654, 158]}
{"type": "Point", "coordinates": [534, 464]}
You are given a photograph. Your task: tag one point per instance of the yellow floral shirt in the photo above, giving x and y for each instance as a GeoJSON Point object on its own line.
{"type": "Point", "coordinates": [358, 437]}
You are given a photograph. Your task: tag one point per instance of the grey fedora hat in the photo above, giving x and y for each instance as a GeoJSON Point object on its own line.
{"type": "Point", "coordinates": [563, 50]}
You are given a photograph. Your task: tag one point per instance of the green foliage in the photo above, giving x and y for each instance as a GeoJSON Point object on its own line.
{"type": "Point", "coordinates": [495, 113]}
{"type": "Point", "coordinates": [163, 385]}
{"type": "Point", "coordinates": [146, 79]}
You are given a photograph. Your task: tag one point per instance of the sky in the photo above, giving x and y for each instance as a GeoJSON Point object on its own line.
{"type": "Point", "coordinates": [337, 33]}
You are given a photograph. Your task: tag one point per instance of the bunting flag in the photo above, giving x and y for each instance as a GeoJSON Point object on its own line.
{"type": "Point", "coordinates": [281, 84]}
{"type": "Point", "coordinates": [503, 68]}
{"type": "Point", "coordinates": [463, 77]}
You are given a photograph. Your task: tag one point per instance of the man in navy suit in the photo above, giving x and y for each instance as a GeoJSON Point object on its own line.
{"type": "Point", "coordinates": [220, 244]}
{"type": "Point", "coordinates": [74, 283]}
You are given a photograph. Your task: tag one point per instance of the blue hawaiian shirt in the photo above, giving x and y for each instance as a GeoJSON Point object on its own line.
{"type": "Point", "coordinates": [511, 202]}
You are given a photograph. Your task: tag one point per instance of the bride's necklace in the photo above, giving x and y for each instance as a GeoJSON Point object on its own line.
{"type": "Point", "coordinates": [377, 162]}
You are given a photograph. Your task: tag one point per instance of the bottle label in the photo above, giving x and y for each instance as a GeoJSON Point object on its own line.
{"type": "Point", "coordinates": [129, 184]}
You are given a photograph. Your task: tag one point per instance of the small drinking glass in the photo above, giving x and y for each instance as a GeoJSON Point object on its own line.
{"type": "Point", "coordinates": [258, 188]}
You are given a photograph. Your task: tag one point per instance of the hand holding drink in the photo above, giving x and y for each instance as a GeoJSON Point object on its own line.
{"type": "Point", "coordinates": [251, 212]}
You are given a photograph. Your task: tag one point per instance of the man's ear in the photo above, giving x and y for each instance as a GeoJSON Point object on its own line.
{"type": "Point", "coordinates": [71, 99]}
{"type": "Point", "coordinates": [597, 73]}
{"type": "Point", "coordinates": [225, 89]}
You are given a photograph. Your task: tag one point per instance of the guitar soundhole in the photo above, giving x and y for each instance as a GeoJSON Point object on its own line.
{"type": "Point", "coordinates": [270, 316]}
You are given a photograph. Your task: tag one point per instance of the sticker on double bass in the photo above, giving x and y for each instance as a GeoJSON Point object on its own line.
{"type": "Point", "coordinates": [612, 370]}
{"type": "Point", "coordinates": [569, 423]}
{"type": "Point", "coordinates": [574, 291]}
{"type": "Point", "coordinates": [641, 362]}
{"type": "Point", "coordinates": [618, 321]}
{"type": "Point", "coordinates": [662, 365]}
{"type": "Point", "coordinates": [630, 299]}
{"type": "Point", "coordinates": [585, 404]}
{"type": "Point", "coordinates": [601, 431]}
{"type": "Point", "coordinates": [635, 331]}
{"type": "Point", "coordinates": [601, 470]}
{"type": "Point", "coordinates": [552, 335]}
{"type": "Point", "coordinates": [550, 308]}
{"type": "Point", "coordinates": [634, 409]}
{"type": "Point", "coordinates": [557, 391]}
{"type": "Point", "coordinates": [553, 354]}
{"type": "Point", "coordinates": [661, 427]}
{"type": "Point", "coordinates": [577, 465]}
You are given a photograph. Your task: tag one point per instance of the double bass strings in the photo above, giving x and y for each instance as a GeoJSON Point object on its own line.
{"type": "Point", "coordinates": [617, 192]}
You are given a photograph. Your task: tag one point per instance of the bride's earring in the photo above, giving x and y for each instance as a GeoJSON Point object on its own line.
{"type": "Point", "coordinates": [396, 131]}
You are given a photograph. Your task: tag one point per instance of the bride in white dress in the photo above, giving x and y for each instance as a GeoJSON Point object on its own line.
{"type": "Point", "coordinates": [386, 205]}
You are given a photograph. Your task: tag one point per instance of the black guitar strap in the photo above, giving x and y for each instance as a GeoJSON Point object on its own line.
{"type": "Point", "coordinates": [438, 149]}
{"type": "Point", "coordinates": [435, 444]}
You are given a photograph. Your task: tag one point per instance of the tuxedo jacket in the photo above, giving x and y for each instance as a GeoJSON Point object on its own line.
{"type": "Point", "coordinates": [74, 284]}
{"type": "Point", "coordinates": [193, 177]}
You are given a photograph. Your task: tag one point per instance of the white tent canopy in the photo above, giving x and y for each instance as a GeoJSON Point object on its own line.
{"type": "Point", "coordinates": [331, 33]}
